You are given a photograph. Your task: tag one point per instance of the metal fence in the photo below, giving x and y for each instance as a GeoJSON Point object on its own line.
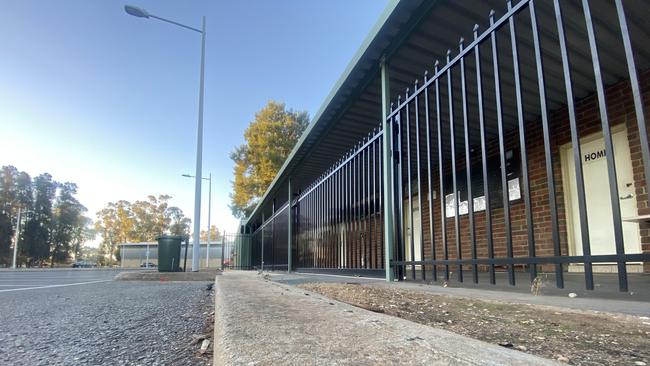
{"type": "Point", "coordinates": [464, 128]}
{"type": "Point", "coordinates": [229, 242]}
{"type": "Point", "coordinates": [338, 218]}
{"type": "Point", "coordinates": [270, 242]}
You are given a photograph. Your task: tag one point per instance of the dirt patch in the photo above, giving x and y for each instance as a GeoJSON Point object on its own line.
{"type": "Point", "coordinates": [578, 338]}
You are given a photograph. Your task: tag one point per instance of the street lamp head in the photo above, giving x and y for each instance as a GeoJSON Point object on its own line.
{"type": "Point", "coordinates": [135, 11]}
{"type": "Point", "coordinates": [187, 176]}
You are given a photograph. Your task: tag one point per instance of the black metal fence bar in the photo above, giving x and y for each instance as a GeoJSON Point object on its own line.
{"type": "Point", "coordinates": [432, 238]}
{"type": "Point", "coordinates": [609, 147]}
{"type": "Point", "coordinates": [419, 181]}
{"type": "Point", "coordinates": [372, 196]}
{"type": "Point", "coordinates": [468, 165]}
{"type": "Point", "coordinates": [348, 211]}
{"type": "Point", "coordinates": [502, 151]}
{"type": "Point", "coordinates": [409, 193]}
{"type": "Point", "coordinates": [380, 190]}
{"type": "Point", "coordinates": [399, 218]}
{"type": "Point", "coordinates": [636, 91]}
{"type": "Point", "coordinates": [454, 184]}
{"type": "Point", "coordinates": [443, 219]}
{"type": "Point", "coordinates": [486, 188]}
{"type": "Point", "coordinates": [575, 142]}
{"type": "Point", "coordinates": [522, 146]}
{"type": "Point", "coordinates": [355, 209]}
{"type": "Point", "coordinates": [548, 156]}
{"type": "Point", "coordinates": [360, 206]}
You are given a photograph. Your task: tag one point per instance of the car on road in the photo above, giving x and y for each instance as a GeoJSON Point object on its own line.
{"type": "Point", "coordinates": [148, 265]}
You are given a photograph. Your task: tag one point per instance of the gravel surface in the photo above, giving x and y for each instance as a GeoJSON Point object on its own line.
{"type": "Point", "coordinates": [110, 323]}
{"type": "Point", "coordinates": [571, 336]}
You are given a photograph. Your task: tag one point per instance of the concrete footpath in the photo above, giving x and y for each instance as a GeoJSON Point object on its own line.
{"type": "Point", "coordinates": [259, 322]}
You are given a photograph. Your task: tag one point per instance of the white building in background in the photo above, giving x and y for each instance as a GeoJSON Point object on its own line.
{"type": "Point", "coordinates": [135, 255]}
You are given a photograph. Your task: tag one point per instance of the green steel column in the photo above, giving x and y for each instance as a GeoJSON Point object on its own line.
{"type": "Point", "coordinates": [289, 228]}
{"type": "Point", "coordinates": [249, 247]}
{"type": "Point", "coordinates": [387, 172]}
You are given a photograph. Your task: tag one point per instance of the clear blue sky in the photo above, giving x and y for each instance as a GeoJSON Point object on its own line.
{"type": "Point", "coordinates": [109, 101]}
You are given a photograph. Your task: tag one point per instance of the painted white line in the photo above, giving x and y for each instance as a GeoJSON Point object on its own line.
{"type": "Point", "coordinates": [51, 286]}
{"type": "Point", "coordinates": [342, 276]}
{"type": "Point", "coordinates": [21, 285]}
{"type": "Point", "coordinates": [51, 281]}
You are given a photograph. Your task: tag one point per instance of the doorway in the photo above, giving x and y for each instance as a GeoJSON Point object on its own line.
{"type": "Point", "coordinates": [597, 196]}
{"type": "Point", "coordinates": [414, 230]}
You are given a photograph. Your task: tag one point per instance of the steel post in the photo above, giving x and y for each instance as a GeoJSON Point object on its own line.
{"type": "Point", "coordinates": [223, 249]}
{"type": "Point", "coordinates": [387, 172]}
{"type": "Point", "coordinates": [196, 248]}
{"type": "Point", "coordinates": [289, 226]}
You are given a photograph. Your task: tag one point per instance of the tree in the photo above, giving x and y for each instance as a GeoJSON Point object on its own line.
{"type": "Point", "coordinates": [83, 232]}
{"type": "Point", "coordinates": [68, 219]}
{"type": "Point", "coordinates": [38, 229]}
{"type": "Point", "coordinates": [8, 176]}
{"type": "Point", "coordinates": [109, 224]}
{"type": "Point", "coordinates": [144, 220]}
{"type": "Point", "coordinates": [269, 140]}
{"type": "Point", "coordinates": [179, 224]}
{"type": "Point", "coordinates": [52, 217]}
{"type": "Point", "coordinates": [215, 235]}
{"type": "Point", "coordinates": [6, 234]}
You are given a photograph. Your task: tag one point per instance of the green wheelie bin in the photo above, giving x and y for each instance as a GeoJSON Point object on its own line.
{"type": "Point", "coordinates": [169, 253]}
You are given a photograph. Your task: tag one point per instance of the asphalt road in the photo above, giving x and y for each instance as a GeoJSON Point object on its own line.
{"type": "Point", "coordinates": [11, 281]}
{"type": "Point", "coordinates": [82, 317]}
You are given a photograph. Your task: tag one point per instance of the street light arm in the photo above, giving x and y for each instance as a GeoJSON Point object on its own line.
{"type": "Point", "coordinates": [192, 176]}
{"type": "Point", "coordinates": [176, 23]}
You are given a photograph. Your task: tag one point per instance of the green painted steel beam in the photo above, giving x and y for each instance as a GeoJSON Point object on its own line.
{"type": "Point", "coordinates": [387, 175]}
{"type": "Point", "coordinates": [289, 227]}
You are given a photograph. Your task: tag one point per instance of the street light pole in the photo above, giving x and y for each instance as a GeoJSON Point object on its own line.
{"type": "Point", "coordinates": [207, 251]}
{"type": "Point", "coordinates": [141, 13]}
{"type": "Point", "coordinates": [196, 249]}
{"type": "Point", "coordinates": [209, 179]}
{"type": "Point", "coordinates": [17, 236]}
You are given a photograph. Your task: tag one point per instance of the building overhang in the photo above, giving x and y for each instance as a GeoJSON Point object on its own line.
{"type": "Point", "coordinates": [411, 35]}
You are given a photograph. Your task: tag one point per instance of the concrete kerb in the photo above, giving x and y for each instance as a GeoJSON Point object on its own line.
{"type": "Point", "coordinates": [167, 276]}
{"type": "Point", "coordinates": [263, 322]}
{"type": "Point", "coordinates": [218, 346]}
